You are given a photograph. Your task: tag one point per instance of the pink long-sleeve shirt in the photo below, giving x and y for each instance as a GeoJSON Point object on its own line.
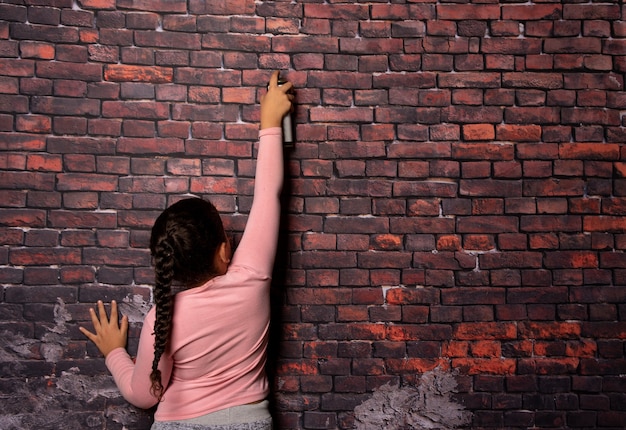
{"type": "Point", "coordinates": [217, 350]}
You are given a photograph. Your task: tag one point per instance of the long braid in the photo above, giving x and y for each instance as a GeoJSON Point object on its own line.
{"type": "Point", "coordinates": [164, 274]}
{"type": "Point", "coordinates": [183, 242]}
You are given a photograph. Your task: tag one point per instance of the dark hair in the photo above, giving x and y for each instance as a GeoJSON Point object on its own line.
{"type": "Point", "coordinates": [183, 243]}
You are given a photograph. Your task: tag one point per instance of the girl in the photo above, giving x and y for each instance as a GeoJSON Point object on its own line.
{"type": "Point", "coordinates": [202, 351]}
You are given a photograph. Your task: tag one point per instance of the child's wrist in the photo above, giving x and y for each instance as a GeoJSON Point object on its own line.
{"type": "Point", "coordinates": [271, 123]}
{"type": "Point", "coordinates": [278, 131]}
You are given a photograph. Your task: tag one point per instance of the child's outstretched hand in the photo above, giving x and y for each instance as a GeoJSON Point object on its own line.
{"type": "Point", "coordinates": [109, 333]}
{"type": "Point", "coordinates": [276, 103]}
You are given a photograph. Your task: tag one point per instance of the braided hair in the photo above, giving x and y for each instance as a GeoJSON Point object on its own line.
{"type": "Point", "coordinates": [183, 243]}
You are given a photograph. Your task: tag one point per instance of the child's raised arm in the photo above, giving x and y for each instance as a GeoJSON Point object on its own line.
{"type": "Point", "coordinates": [257, 248]}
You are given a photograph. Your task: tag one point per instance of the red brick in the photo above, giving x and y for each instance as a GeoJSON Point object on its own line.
{"type": "Point", "coordinates": [138, 110]}
{"type": "Point", "coordinates": [478, 242]}
{"type": "Point", "coordinates": [11, 236]}
{"type": "Point", "coordinates": [485, 349]}
{"type": "Point", "coordinates": [43, 162]}
{"type": "Point", "coordinates": [547, 366]}
{"type": "Point", "coordinates": [301, 367]}
{"type": "Point", "coordinates": [571, 259]}
{"type": "Point", "coordinates": [554, 187]}
{"type": "Point", "coordinates": [127, 73]}
{"type": "Point", "coordinates": [289, 44]}
{"type": "Point", "coordinates": [80, 200]}
{"type": "Point", "coordinates": [345, 11]}
{"type": "Point", "coordinates": [573, 45]}
{"type": "Point", "coordinates": [414, 365]}
{"type": "Point", "coordinates": [478, 132]}
{"type": "Point", "coordinates": [391, 207]}
{"type": "Point", "coordinates": [532, 12]}
{"type": "Point", "coordinates": [464, 12]}
{"type": "Point", "coordinates": [367, 295]}
{"type": "Point", "coordinates": [475, 366]}
{"type": "Point", "coordinates": [478, 331]}
{"type": "Point", "coordinates": [33, 255]}
{"type": "Point", "coordinates": [588, 12]}
{"type": "Point", "coordinates": [40, 50]}
{"type": "Point", "coordinates": [487, 224]}
{"type": "Point", "coordinates": [390, 12]}
{"type": "Point", "coordinates": [449, 243]}
{"type": "Point", "coordinates": [511, 46]}
{"type": "Point", "coordinates": [456, 349]}
{"type": "Point", "coordinates": [502, 62]}
{"type": "Point", "coordinates": [543, 241]}
{"type": "Point", "coordinates": [333, 114]}
{"type": "Point", "coordinates": [611, 206]}
{"type": "Point", "coordinates": [550, 330]}
{"type": "Point", "coordinates": [322, 278]}
{"type": "Point", "coordinates": [511, 260]}
{"type": "Point", "coordinates": [77, 275]}
{"type": "Point", "coordinates": [411, 296]}
{"type": "Point", "coordinates": [604, 223]}
{"type": "Point", "coordinates": [589, 151]}
{"type": "Point", "coordinates": [478, 80]}
{"type": "Point", "coordinates": [518, 133]}
{"type": "Point", "coordinates": [352, 313]}
{"type": "Point", "coordinates": [41, 294]}
{"type": "Point", "coordinates": [387, 242]}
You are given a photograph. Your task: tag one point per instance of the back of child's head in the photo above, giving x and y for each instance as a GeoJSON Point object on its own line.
{"type": "Point", "coordinates": [185, 238]}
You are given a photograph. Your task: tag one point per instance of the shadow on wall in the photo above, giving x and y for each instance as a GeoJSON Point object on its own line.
{"type": "Point", "coordinates": [429, 405]}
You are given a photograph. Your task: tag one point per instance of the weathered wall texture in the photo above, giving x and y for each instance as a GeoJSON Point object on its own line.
{"type": "Point", "coordinates": [454, 209]}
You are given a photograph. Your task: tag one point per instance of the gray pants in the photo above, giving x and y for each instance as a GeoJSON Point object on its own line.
{"type": "Point", "coordinates": [255, 416]}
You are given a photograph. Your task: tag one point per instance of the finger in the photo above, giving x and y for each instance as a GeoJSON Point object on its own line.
{"type": "Point", "coordinates": [91, 336]}
{"type": "Point", "coordinates": [124, 325]}
{"type": "Point", "coordinates": [286, 87]}
{"type": "Point", "coordinates": [103, 313]}
{"type": "Point", "coordinates": [274, 78]}
{"type": "Point", "coordinates": [94, 319]}
{"type": "Point", "coordinates": [114, 316]}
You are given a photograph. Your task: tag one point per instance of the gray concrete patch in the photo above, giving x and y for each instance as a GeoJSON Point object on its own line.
{"type": "Point", "coordinates": [428, 405]}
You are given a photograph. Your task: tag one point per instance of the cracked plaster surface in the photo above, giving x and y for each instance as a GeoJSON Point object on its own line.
{"type": "Point", "coordinates": [69, 400]}
{"type": "Point", "coordinates": [429, 405]}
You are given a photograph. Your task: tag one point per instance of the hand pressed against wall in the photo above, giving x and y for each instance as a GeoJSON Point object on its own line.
{"type": "Point", "coordinates": [110, 333]}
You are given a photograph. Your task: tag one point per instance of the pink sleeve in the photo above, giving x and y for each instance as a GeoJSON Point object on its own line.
{"type": "Point", "coordinates": [257, 248]}
{"type": "Point", "coordinates": [133, 378]}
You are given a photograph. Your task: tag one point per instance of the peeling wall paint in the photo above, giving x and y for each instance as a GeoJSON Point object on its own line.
{"type": "Point", "coordinates": [53, 396]}
{"type": "Point", "coordinates": [71, 401]}
{"type": "Point", "coordinates": [429, 405]}
{"type": "Point", "coordinates": [50, 347]}
{"type": "Point", "coordinates": [135, 308]}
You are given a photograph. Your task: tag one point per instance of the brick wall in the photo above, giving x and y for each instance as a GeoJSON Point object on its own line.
{"type": "Point", "coordinates": [454, 206]}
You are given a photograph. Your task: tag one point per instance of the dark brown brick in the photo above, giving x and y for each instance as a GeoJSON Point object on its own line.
{"type": "Point", "coordinates": [319, 420]}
